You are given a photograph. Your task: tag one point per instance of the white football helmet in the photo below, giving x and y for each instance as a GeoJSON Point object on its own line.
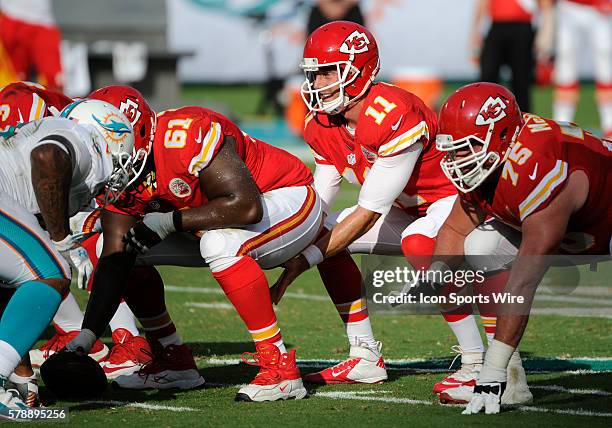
{"type": "Point", "coordinates": [119, 137]}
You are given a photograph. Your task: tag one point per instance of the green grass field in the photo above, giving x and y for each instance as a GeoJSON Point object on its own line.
{"type": "Point", "coordinates": [568, 357]}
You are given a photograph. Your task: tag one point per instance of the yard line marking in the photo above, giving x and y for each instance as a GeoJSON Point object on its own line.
{"type": "Point", "coordinates": [208, 290]}
{"type": "Point", "coordinates": [141, 405]}
{"type": "Point", "coordinates": [582, 290]}
{"type": "Point", "coordinates": [574, 312]}
{"type": "Point", "coordinates": [367, 396]}
{"type": "Point", "coordinates": [577, 412]}
{"type": "Point", "coordinates": [559, 388]}
{"type": "Point", "coordinates": [602, 301]}
{"type": "Point", "coordinates": [201, 305]}
{"type": "Point", "coordinates": [440, 365]}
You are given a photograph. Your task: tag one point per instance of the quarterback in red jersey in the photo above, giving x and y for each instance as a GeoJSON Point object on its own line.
{"type": "Point", "coordinates": [379, 137]}
{"type": "Point", "coordinates": [528, 187]}
{"type": "Point", "coordinates": [253, 206]}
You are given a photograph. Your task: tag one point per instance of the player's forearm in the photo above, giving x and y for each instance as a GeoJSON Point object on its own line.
{"type": "Point", "coordinates": [526, 274]}
{"type": "Point", "coordinates": [110, 281]}
{"type": "Point", "coordinates": [348, 230]}
{"type": "Point", "coordinates": [51, 175]}
{"type": "Point", "coordinates": [223, 212]}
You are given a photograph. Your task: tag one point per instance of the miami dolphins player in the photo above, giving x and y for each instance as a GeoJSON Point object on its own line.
{"type": "Point", "coordinates": [50, 169]}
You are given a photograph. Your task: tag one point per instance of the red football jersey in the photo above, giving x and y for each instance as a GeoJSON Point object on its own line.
{"type": "Point", "coordinates": [22, 102]}
{"type": "Point", "coordinates": [391, 120]}
{"type": "Point", "coordinates": [187, 140]}
{"type": "Point", "coordinates": [510, 11]}
{"type": "Point", "coordinates": [544, 156]}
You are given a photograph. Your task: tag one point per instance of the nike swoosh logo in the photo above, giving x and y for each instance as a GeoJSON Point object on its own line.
{"type": "Point", "coordinates": [199, 139]}
{"type": "Point", "coordinates": [534, 174]}
{"type": "Point", "coordinates": [20, 116]}
{"type": "Point", "coordinates": [336, 374]}
{"type": "Point", "coordinates": [394, 127]}
{"type": "Point", "coordinates": [283, 388]}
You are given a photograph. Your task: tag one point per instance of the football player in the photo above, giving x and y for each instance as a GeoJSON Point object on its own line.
{"type": "Point", "coordinates": [380, 137]}
{"type": "Point", "coordinates": [253, 206]}
{"type": "Point", "coordinates": [52, 167]}
{"type": "Point", "coordinates": [21, 102]}
{"type": "Point", "coordinates": [529, 187]}
{"type": "Point", "coordinates": [579, 20]}
{"type": "Point", "coordinates": [130, 350]}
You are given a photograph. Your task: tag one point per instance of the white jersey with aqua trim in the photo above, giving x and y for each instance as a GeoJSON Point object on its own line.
{"type": "Point", "coordinates": [91, 161]}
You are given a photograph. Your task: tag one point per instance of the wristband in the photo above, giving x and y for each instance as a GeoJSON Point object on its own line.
{"type": "Point", "coordinates": [313, 255]}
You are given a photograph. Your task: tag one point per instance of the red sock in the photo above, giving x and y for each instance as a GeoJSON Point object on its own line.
{"type": "Point", "coordinates": [343, 282]}
{"type": "Point", "coordinates": [145, 297]}
{"type": "Point", "coordinates": [246, 286]}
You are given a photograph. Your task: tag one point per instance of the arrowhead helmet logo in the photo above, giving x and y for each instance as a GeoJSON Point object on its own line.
{"type": "Point", "coordinates": [356, 42]}
{"type": "Point", "coordinates": [131, 110]}
{"type": "Point", "coordinates": [493, 110]}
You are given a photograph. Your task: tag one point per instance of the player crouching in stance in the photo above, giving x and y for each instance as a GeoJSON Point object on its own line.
{"type": "Point", "coordinates": [526, 184]}
{"type": "Point", "coordinates": [254, 207]}
{"type": "Point", "coordinates": [51, 167]}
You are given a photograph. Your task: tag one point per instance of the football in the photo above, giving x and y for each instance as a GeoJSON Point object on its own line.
{"type": "Point", "coordinates": [69, 375]}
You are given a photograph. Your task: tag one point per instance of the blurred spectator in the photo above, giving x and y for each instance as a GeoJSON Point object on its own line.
{"type": "Point", "coordinates": [31, 39]}
{"type": "Point", "coordinates": [324, 11]}
{"type": "Point", "coordinates": [510, 41]}
{"type": "Point", "coordinates": [578, 18]}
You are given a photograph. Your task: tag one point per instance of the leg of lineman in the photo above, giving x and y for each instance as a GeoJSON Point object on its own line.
{"type": "Point", "coordinates": [418, 243]}
{"type": "Point", "coordinates": [291, 221]}
{"type": "Point", "coordinates": [492, 247]}
{"type": "Point", "coordinates": [41, 275]}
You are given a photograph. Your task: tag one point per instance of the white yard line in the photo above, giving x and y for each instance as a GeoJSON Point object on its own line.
{"type": "Point", "coordinates": [201, 305]}
{"type": "Point", "coordinates": [375, 396]}
{"type": "Point", "coordinates": [559, 388]}
{"type": "Point", "coordinates": [113, 403]}
{"type": "Point", "coordinates": [574, 312]}
{"type": "Point", "coordinates": [208, 290]}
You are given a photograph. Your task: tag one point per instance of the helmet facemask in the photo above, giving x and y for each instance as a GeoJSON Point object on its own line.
{"type": "Point", "coordinates": [126, 171]}
{"type": "Point", "coordinates": [467, 172]}
{"type": "Point", "coordinates": [346, 75]}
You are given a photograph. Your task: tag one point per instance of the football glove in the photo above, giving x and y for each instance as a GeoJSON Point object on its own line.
{"type": "Point", "coordinates": [488, 396]}
{"type": "Point", "coordinates": [76, 256]}
{"type": "Point", "coordinates": [153, 229]}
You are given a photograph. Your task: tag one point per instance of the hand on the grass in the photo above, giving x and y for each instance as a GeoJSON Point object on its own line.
{"type": "Point", "coordinates": [487, 396]}
{"type": "Point", "coordinates": [293, 268]}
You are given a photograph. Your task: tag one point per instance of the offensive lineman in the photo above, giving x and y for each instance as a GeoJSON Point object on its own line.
{"type": "Point", "coordinates": [255, 208]}
{"type": "Point", "coordinates": [546, 185]}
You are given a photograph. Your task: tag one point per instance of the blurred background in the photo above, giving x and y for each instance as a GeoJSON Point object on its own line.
{"type": "Point", "coordinates": [240, 57]}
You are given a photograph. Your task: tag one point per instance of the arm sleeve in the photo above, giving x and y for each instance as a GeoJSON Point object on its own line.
{"type": "Point", "coordinates": [327, 181]}
{"type": "Point", "coordinates": [387, 178]}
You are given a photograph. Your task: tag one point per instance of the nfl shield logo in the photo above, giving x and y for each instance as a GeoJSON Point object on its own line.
{"type": "Point", "coordinates": [351, 159]}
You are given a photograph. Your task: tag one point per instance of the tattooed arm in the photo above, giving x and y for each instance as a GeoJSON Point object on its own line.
{"type": "Point", "coordinates": [51, 175]}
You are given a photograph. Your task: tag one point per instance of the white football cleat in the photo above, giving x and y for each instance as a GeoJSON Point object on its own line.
{"type": "Point", "coordinates": [517, 390]}
{"type": "Point", "coordinates": [10, 401]}
{"type": "Point", "coordinates": [363, 365]}
{"type": "Point", "coordinates": [463, 380]}
{"type": "Point", "coordinates": [27, 387]}
{"type": "Point", "coordinates": [171, 367]}
{"type": "Point", "coordinates": [278, 378]}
